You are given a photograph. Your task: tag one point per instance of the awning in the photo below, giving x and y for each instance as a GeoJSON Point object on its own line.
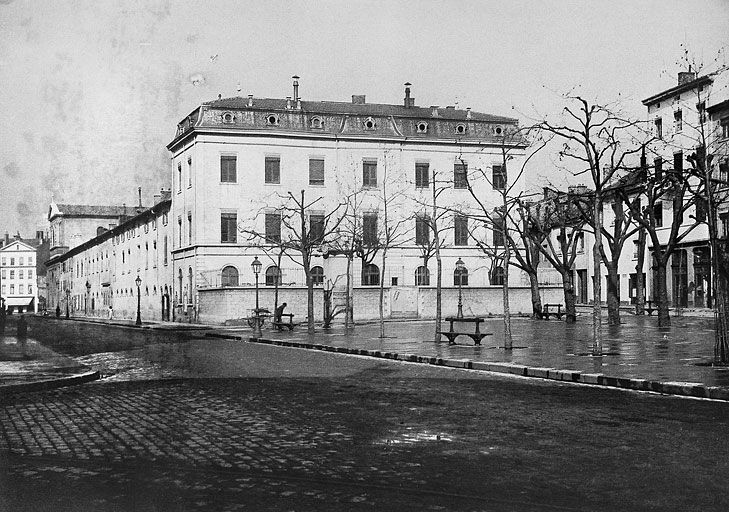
{"type": "Point", "coordinates": [18, 301]}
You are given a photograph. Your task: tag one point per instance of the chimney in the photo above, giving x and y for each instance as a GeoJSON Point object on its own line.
{"type": "Point", "coordinates": [409, 102]}
{"type": "Point", "coordinates": [358, 99]}
{"type": "Point", "coordinates": [139, 189]}
{"type": "Point", "coordinates": [288, 102]}
{"type": "Point", "coordinates": [250, 100]}
{"type": "Point", "coordinates": [220, 96]}
{"type": "Point", "coordinates": [468, 112]}
{"type": "Point", "coordinates": [296, 87]}
{"type": "Point", "coordinates": [7, 238]}
{"type": "Point", "coordinates": [435, 110]}
{"type": "Point", "coordinates": [686, 77]}
{"type": "Point", "coordinates": [157, 198]}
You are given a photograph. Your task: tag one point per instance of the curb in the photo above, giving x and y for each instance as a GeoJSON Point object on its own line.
{"type": "Point", "coordinates": [688, 389]}
{"type": "Point", "coordinates": [44, 385]}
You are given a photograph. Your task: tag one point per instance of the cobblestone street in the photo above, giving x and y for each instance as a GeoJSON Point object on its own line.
{"type": "Point", "coordinates": [371, 435]}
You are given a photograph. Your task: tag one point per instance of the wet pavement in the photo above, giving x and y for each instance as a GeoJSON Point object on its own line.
{"type": "Point", "coordinates": [637, 348]}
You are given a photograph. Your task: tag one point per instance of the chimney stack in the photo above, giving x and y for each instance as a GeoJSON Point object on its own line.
{"type": "Point", "coordinates": [250, 100]}
{"type": "Point", "coordinates": [435, 110]}
{"type": "Point", "coordinates": [468, 112]}
{"type": "Point", "coordinates": [686, 76]}
{"type": "Point", "coordinates": [139, 189]}
{"type": "Point", "coordinates": [358, 99]}
{"type": "Point", "coordinates": [409, 102]}
{"type": "Point", "coordinates": [296, 87]}
{"type": "Point", "coordinates": [7, 238]}
{"type": "Point", "coordinates": [288, 102]}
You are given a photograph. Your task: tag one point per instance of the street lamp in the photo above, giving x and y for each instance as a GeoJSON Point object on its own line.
{"type": "Point", "coordinates": [256, 266]}
{"type": "Point", "coordinates": [68, 293]}
{"type": "Point", "coordinates": [88, 293]}
{"type": "Point", "coordinates": [460, 267]}
{"type": "Point", "coordinates": [138, 281]}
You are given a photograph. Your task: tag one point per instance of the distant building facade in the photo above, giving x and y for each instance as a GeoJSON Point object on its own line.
{"type": "Point", "coordinates": [18, 277]}
{"type": "Point", "coordinates": [98, 276]}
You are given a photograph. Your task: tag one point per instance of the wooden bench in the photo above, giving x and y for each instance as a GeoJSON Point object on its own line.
{"type": "Point", "coordinates": [649, 308]}
{"type": "Point", "coordinates": [476, 336]}
{"type": "Point", "coordinates": [546, 311]}
{"type": "Point", "coordinates": [280, 324]}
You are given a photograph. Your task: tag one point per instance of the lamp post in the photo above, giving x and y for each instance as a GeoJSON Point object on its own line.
{"type": "Point", "coordinates": [256, 266]}
{"type": "Point", "coordinates": [68, 293]}
{"type": "Point", "coordinates": [88, 293]}
{"type": "Point", "coordinates": [460, 266]}
{"type": "Point", "coordinates": [138, 281]}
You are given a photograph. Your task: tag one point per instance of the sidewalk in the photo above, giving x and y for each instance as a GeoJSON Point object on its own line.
{"type": "Point", "coordinates": [635, 355]}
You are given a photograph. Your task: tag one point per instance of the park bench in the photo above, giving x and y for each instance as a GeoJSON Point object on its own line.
{"type": "Point", "coordinates": [282, 324]}
{"type": "Point", "coordinates": [549, 309]}
{"type": "Point", "coordinates": [263, 313]}
{"type": "Point", "coordinates": [649, 308]}
{"type": "Point", "coordinates": [476, 335]}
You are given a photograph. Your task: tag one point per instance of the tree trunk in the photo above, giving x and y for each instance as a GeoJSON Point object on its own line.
{"type": "Point", "coordinates": [568, 288]}
{"type": "Point", "coordinates": [309, 299]}
{"type": "Point", "coordinates": [536, 298]}
{"type": "Point", "coordinates": [508, 343]}
{"type": "Point", "coordinates": [438, 298]}
{"type": "Point", "coordinates": [721, 323]}
{"type": "Point", "coordinates": [640, 285]}
{"type": "Point", "coordinates": [597, 283]}
{"type": "Point", "coordinates": [664, 319]}
{"type": "Point", "coordinates": [382, 294]}
{"type": "Point", "coordinates": [613, 294]}
{"type": "Point", "coordinates": [348, 317]}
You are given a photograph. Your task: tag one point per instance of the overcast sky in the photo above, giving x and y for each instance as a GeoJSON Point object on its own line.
{"type": "Point", "coordinates": [92, 91]}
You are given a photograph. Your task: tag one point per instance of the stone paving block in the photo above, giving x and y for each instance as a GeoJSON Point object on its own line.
{"type": "Point", "coordinates": [516, 369]}
{"type": "Point", "coordinates": [591, 378]}
{"type": "Point", "coordinates": [542, 373]}
{"type": "Point", "coordinates": [454, 363]}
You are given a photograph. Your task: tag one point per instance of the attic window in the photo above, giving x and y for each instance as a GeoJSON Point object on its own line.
{"type": "Point", "coordinates": [272, 120]}
{"type": "Point", "coordinates": [369, 124]}
{"type": "Point", "coordinates": [227, 117]}
{"type": "Point", "coordinates": [460, 129]}
{"type": "Point", "coordinates": [498, 130]}
{"type": "Point", "coordinates": [317, 123]}
{"type": "Point", "coordinates": [422, 127]}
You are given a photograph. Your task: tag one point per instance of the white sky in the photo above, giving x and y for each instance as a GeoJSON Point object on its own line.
{"type": "Point", "coordinates": [91, 91]}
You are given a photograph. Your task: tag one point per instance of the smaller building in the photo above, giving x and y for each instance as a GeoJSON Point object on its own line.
{"type": "Point", "coordinates": [18, 287]}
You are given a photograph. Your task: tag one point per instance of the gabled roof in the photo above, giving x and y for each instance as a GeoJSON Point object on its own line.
{"type": "Point", "coordinates": [24, 243]}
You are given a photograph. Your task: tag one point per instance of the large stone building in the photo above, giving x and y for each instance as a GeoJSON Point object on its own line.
{"type": "Point", "coordinates": [101, 272]}
{"type": "Point", "coordinates": [18, 276]}
{"type": "Point", "coordinates": [237, 164]}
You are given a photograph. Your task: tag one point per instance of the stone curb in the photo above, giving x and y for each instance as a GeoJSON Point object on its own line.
{"type": "Point", "coordinates": [44, 385]}
{"type": "Point", "coordinates": [689, 389]}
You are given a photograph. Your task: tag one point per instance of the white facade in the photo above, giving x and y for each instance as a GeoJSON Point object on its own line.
{"type": "Point", "coordinates": [236, 160]}
{"type": "Point", "coordinates": [18, 279]}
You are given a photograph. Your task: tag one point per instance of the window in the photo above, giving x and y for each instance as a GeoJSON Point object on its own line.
{"type": "Point", "coordinates": [658, 166]}
{"type": "Point", "coordinates": [422, 175]}
{"type": "Point", "coordinates": [317, 275]}
{"type": "Point", "coordinates": [369, 173]}
{"type": "Point", "coordinates": [30, 289]}
{"type": "Point", "coordinates": [422, 276]}
{"type": "Point", "coordinates": [460, 178]}
{"type": "Point", "coordinates": [724, 217]}
{"type": "Point", "coordinates": [273, 170]}
{"type": "Point", "coordinates": [369, 124]}
{"type": "Point", "coordinates": [228, 169]}
{"type": "Point", "coordinates": [678, 164]}
{"type": "Point", "coordinates": [369, 228]}
{"type": "Point", "coordinates": [12, 274]}
{"type": "Point", "coordinates": [272, 120]}
{"type": "Point", "coordinates": [422, 230]}
{"type": "Point", "coordinates": [30, 260]}
{"type": "Point", "coordinates": [422, 127]}
{"type": "Point", "coordinates": [658, 213]}
{"type": "Point", "coordinates": [229, 276]}
{"type": "Point", "coordinates": [273, 228]}
{"type": "Point", "coordinates": [316, 228]}
{"type": "Point", "coordinates": [460, 228]}
{"type": "Point", "coordinates": [2, 274]}
{"type": "Point", "coordinates": [497, 276]}
{"type": "Point", "coordinates": [370, 275]}
{"type": "Point", "coordinates": [179, 176]}
{"type": "Point", "coordinates": [21, 289]}
{"type": "Point", "coordinates": [179, 227]}
{"type": "Point", "coordinates": [228, 228]}
{"type": "Point", "coordinates": [659, 128]}
{"type": "Point", "coordinates": [21, 261]}
{"type": "Point", "coordinates": [3, 290]}
{"type": "Point", "coordinates": [701, 209]}
{"type": "Point", "coordinates": [12, 261]}
{"type": "Point", "coordinates": [678, 121]}
{"type": "Point", "coordinates": [461, 129]}
{"type": "Point", "coordinates": [20, 274]}
{"type": "Point", "coordinates": [724, 171]}
{"type": "Point", "coordinates": [12, 289]}
{"type": "Point", "coordinates": [724, 123]}
{"type": "Point", "coordinates": [460, 277]}
{"type": "Point", "coordinates": [273, 276]}
{"type": "Point", "coordinates": [165, 251]}
{"type": "Point", "coordinates": [498, 177]}
{"type": "Point", "coordinates": [498, 228]}
{"type": "Point", "coordinates": [189, 227]}
{"type": "Point", "coordinates": [316, 171]}
{"type": "Point", "coordinates": [317, 123]}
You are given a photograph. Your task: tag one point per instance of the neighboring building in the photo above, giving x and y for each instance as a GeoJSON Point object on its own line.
{"type": "Point", "coordinates": [100, 273]}
{"type": "Point", "coordinates": [18, 287]}
{"type": "Point", "coordinates": [234, 160]}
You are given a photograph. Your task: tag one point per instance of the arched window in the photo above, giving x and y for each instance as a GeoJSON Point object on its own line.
{"type": "Point", "coordinates": [189, 284]}
{"type": "Point", "coordinates": [229, 276]}
{"type": "Point", "coordinates": [497, 276]}
{"type": "Point", "coordinates": [422, 276]}
{"type": "Point", "coordinates": [317, 275]}
{"type": "Point", "coordinates": [179, 289]}
{"type": "Point", "coordinates": [460, 278]}
{"type": "Point", "coordinates": [273, 276]}
{"type": "Point", "coordinates": [370, 275]}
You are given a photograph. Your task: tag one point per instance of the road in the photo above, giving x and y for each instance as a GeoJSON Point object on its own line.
{"type": "Point", "coordinates": [190, 424]}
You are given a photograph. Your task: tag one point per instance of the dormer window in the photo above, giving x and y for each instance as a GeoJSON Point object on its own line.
{"type": "Point", "coordinates": [272, 120]}
{"type": "Point", "coordinates": [227, 117]}
{"type": "Point", "coordinates": [369, 124]}
{"type": "Point", "coordinates": [422, 127]}
{"type": "Point", "coordinates": [317, 123]}
{"type": "Point", "coordinates": [461, 129]}
{"type": "Point", "coordinates": [498, 130]}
